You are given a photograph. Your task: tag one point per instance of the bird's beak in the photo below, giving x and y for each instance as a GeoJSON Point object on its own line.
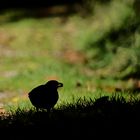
{"type": "Point", "coordinates": [60, 85]}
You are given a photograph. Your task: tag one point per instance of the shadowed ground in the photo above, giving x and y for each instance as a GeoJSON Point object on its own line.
{"type": "Point", "coordinates": [104, 117]}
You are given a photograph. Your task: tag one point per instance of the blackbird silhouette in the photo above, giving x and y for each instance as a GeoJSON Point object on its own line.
{"type": "Point", "coordinates": [45, 96]}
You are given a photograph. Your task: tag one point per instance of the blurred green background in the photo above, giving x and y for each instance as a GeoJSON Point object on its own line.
{"type": "Point", "coordinates": [92, 47]}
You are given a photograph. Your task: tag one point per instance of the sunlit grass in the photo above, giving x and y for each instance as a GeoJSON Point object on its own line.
{"type": "Point", "coordinates": [32, 50]}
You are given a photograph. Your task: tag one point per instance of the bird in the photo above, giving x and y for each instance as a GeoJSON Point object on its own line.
{"type": "Point", "coordinates": [45, 96]}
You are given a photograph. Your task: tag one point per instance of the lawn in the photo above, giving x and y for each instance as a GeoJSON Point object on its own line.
{"type": "Point", "coordinates": [34, 50]}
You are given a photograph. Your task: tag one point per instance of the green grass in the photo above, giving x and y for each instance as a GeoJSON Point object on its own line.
{"type": "Point", "coordinates": [33, 52]}
{"type": "Point", "coordinates": [31, 55]}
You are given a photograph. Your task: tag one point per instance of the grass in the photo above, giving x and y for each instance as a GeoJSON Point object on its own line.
{"type": "Point", "coordinates": [82, 117]}
{"type": "Point", "coordinates": [35, 62]}
{"type": "Point", "coordinates": [34, 51]}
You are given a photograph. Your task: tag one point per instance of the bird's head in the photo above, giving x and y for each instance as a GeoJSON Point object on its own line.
{"type": "Point", "coordinates": [54, 84]}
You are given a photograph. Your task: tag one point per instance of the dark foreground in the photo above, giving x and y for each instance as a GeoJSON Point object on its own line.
{"type": "Point", "coordinates": [103, 118]}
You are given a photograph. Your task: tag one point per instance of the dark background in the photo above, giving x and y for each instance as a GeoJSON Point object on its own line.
{"type": "Point", "coordinates": [35, 3]}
